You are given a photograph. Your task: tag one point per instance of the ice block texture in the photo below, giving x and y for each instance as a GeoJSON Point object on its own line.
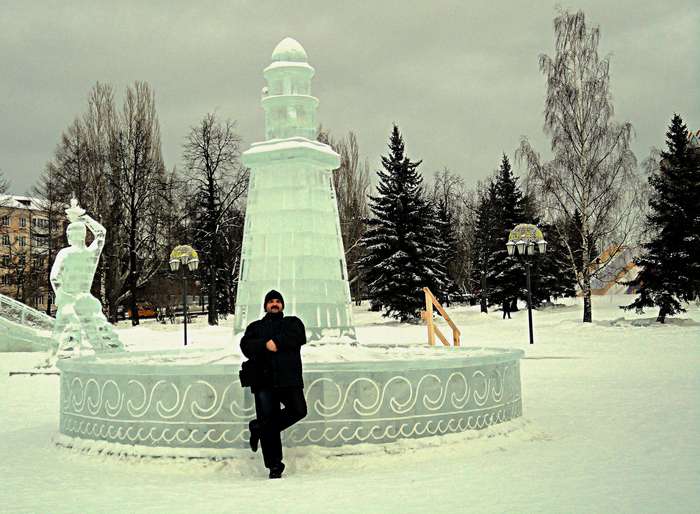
{"type": "Point", "coordinates": [292, 240]}
{"type": "Point", "coordinates": [80, 323]}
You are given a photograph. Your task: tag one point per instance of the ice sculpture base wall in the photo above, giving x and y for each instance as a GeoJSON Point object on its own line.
{"type": "Point", "coordinates": [191, 407]}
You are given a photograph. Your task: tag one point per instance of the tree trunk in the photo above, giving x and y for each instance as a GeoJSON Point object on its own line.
{"type": "Point", "coordinates": [133, 262]}
{"type": "Point", "coordinates": [49, 288]}
{"type": "Point", "coordinates": [111, 293]}
{"type": "Point", "coordinates": [112, 312]}
{"type": "Point", "coordinates": [96, 287]}
{"type": "Point", "coordinates": [213, 315]}
{"type": "Point", "coordinates": [661, 318]}
{"type": "Point", "coordinates": [214, 249]}
{"type": "Point", "coordinates": [587, 311]}
{"type": "Point", "coordinates": [134, 308]}
{"type": "Point", "coordinates": [484, 306]}
{"type": "Point", "coordinates": [358, 293]}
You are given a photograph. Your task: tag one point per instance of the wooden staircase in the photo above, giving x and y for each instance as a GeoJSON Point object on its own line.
{"type": "Point", "coordinates": [427, 316]}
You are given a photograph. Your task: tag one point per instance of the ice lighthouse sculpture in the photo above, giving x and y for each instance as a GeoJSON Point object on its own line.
{"type": "Point", "coordinates": [291, 240]}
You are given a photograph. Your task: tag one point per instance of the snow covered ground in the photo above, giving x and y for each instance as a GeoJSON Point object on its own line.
{"type": "Point", "coordinates": [611, 424]}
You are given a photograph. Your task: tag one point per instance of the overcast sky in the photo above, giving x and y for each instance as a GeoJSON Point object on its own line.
{"type": "Point", "coordinates": [461, 79]}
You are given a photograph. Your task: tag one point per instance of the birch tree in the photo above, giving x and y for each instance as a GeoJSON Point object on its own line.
{"type": "Point", "coordinates": [592, 169]}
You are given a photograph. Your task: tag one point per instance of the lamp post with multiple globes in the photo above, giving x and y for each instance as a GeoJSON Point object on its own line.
{"type": "Point", "coordinates": [525, 240]}
{"type": "Point", "coordinates": [184, 256]}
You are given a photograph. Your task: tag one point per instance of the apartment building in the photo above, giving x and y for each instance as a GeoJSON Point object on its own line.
{"type": "Point", "coordinates": [25, 249]}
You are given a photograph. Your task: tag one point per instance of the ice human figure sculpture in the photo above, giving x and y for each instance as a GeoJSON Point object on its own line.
{"type": "Point", "coordinates": [292, 240]}
{"type": "Point", "coordinates": [80, 322]}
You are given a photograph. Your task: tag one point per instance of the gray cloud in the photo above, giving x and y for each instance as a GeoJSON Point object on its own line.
{"type": "Point", "coordinates": [460, 78]}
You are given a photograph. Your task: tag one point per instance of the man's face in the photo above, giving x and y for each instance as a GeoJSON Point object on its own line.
{"type": "Point", "coordinates": [274, 305]}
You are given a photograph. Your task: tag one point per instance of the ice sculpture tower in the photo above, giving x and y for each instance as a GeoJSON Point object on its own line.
{"type": "Point", "coordinates": [292, 240]}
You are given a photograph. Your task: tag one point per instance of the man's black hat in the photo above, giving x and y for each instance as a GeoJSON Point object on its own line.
{"type": "Point", "coordinates": [273, 295]}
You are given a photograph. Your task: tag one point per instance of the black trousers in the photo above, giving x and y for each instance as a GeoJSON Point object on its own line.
{"type": "Point", "coordinates": [272, 419]}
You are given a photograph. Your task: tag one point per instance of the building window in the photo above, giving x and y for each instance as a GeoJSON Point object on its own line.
{"type": "Point", "coordinates": [6, 239]}
{"type": "Point", "coordinates": [39, 240]}
{"type": "Point", "coordinates": [5, 261]}
{"type": "Point", "coordinates": [5, 220]}
{"type": "Point", "coordinates": [22, 240]}
{"type": "Point", "coordinates": [23, 222]}
{"type": "Point", "coordinates": [5, 280]}
{"type": "Point", "coordinates": [39, 300]}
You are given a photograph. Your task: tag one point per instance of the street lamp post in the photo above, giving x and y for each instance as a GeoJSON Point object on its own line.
{"type": "Point", "coordinates": [186, 256]}
{"type": "Point", "coordinates": [525, 240]}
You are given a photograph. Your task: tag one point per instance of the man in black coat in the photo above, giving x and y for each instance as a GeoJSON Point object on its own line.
{"type": "Point", "coordinates": [273, 344]}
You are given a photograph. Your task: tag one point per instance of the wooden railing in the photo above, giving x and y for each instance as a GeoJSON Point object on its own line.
{"type": "Point", "coordinates": [427, 315]}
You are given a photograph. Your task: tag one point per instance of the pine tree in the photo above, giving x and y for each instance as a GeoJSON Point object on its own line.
{"type": "Point", "coordinates": [670, 264]}
{"type": "Point", "coordinates": [432, 251]}
{"type": "Point", "coordinates": [505, 273]}
{"type": "Point", "coordinates": [551, 273]}
{"type": "Point", "coordinates": [485, 242]}
{"type": "Point", "coordinates": [401, 241]}
{"type": "Point", "coordinates": [448, 253]}
{"type": "Point", "coordinates": [503, 277]}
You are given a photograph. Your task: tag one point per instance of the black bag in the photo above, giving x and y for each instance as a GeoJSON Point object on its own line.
{"type": "Point", "coordinates": [248, 374]}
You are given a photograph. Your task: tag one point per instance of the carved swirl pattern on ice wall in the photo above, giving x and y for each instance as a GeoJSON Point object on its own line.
{"type": "Point", "coordinates": [346, 406]}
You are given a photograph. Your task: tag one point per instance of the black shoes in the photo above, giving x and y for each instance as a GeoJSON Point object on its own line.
{"type": "Point", "coordinates": [254, 435]}
{"type": "Point", "coordinates": [276, 470]}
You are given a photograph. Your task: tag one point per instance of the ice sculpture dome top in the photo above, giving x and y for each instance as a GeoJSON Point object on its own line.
{"type": "Point", "coordinates": [289, 49]}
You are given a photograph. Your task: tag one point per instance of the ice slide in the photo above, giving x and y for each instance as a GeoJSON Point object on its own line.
{"type": "Point", "coordinates": [22, 328]}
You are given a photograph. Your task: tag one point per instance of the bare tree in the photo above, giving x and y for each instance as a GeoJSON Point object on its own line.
{"type": "Point", "coordinates": [173, 201]}
{"type": "Point", "coordinates": [98, 123]}
{"type": "Point", "coordinates": [69, 165]}
{"type": "Point", "coordinates": [17, 264]}
{"type": "Point", "coordinates": [592, 170]}
{"type": "Point", "coordinates": [351, 183]}
{"type": "Point", "coordinates": [4, 186]}
{"type": "Point", "coordinates": [111, 162]}
{"type": "Point", "coordinates": [81, 168]}
{"type": "Point", "coordinates": [219, 181]}
{"type": "Point", "coordinates": [4, 201]}
{"type": "Point", "coordinates": [48, 232]}
{"type": "Point", "coordinates": [447, 196]}
{"type": "Point", "coordinates": [136, 178]}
